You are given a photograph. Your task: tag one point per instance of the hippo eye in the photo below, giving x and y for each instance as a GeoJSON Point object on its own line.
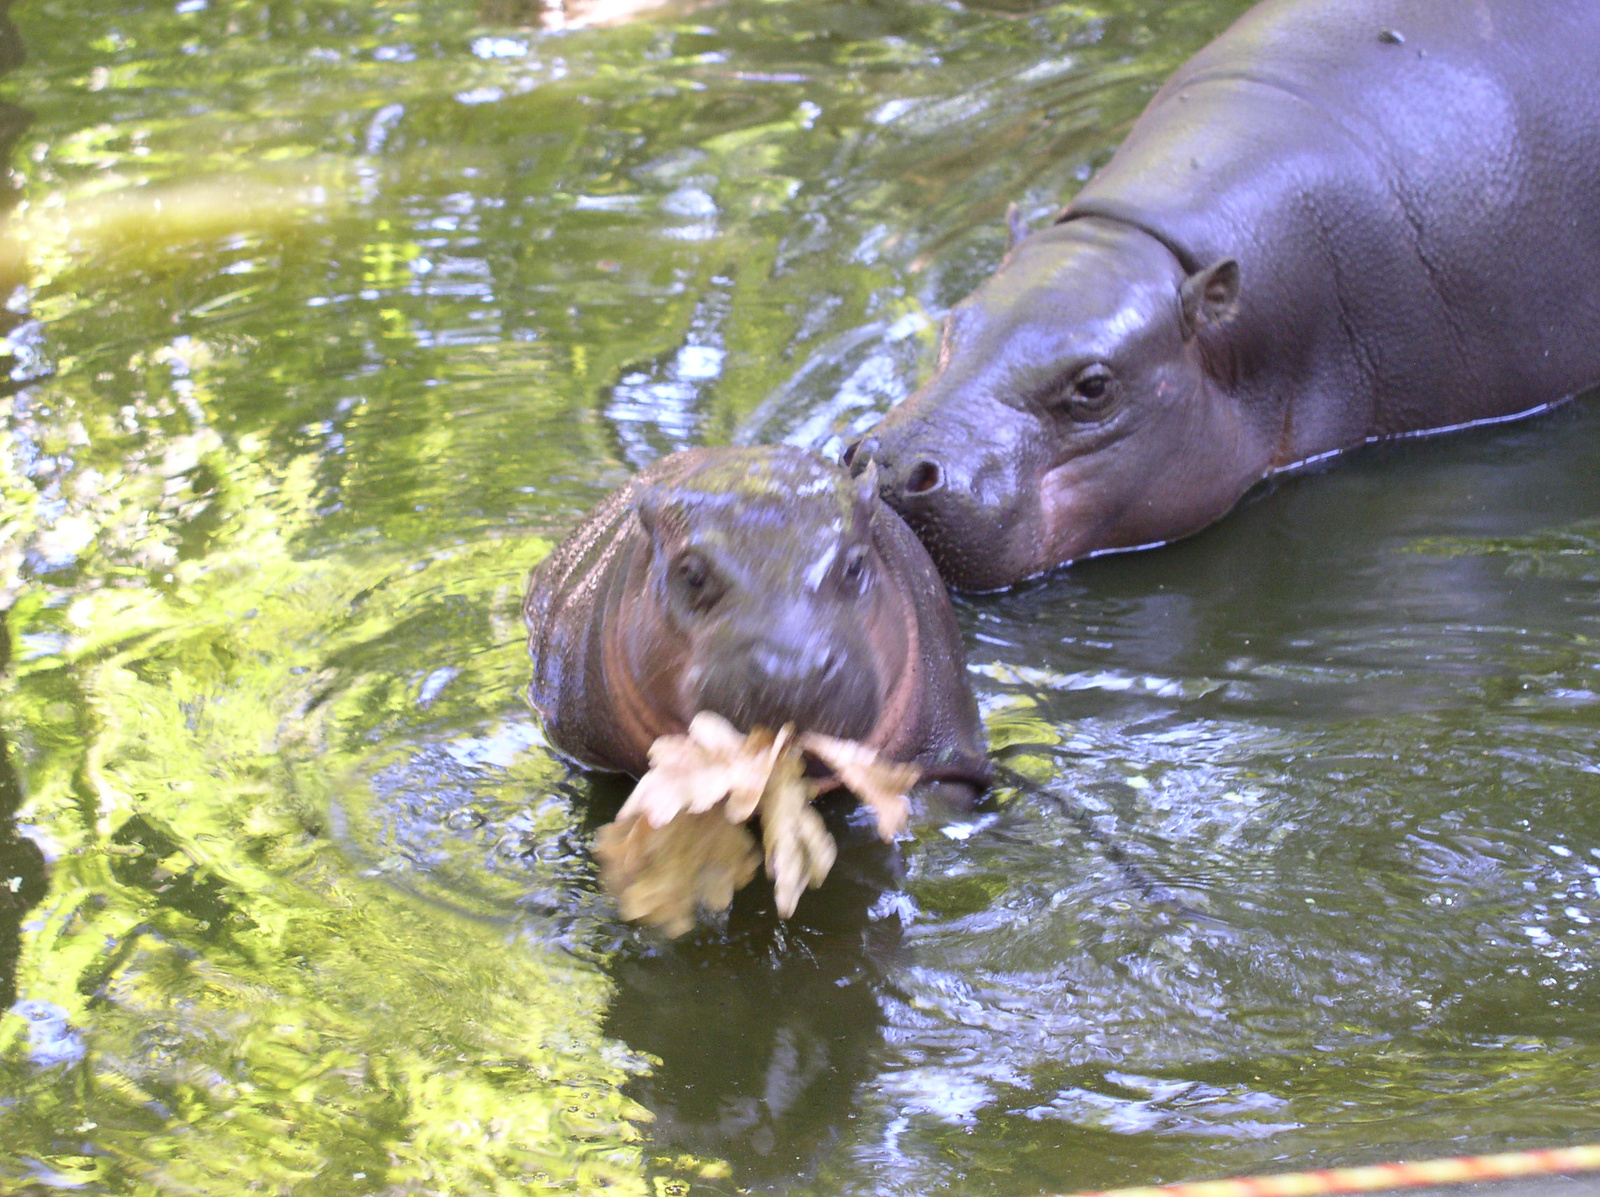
{"type": "Point", "coordinates": [1091, 389]}
{"type": "Point", "coordinates": [696, 582]}
{"type": "Point", "coordinates": [853, 570]}
{"type": "Point", "coordinates": [1090, 394]}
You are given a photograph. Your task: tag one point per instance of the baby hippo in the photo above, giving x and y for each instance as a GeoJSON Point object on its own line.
{"type": "Point", "coordinates": [764, 584]}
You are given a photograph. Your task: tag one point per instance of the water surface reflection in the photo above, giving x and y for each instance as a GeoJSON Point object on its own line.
{"type": "Point", "coordinates": [1306, 868]}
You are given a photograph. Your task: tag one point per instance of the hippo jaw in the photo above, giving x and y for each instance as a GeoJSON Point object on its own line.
{"type": "Point", "coordinates": [1078, 408]}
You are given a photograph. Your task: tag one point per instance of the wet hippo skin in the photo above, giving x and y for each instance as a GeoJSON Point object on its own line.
{"type": "Point", "coordinates": [1343, 220]}
{"type": "Point", "coordinates": [764, 584]}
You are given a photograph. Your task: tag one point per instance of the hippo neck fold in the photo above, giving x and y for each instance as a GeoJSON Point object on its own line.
{"type": "Point", "coordinates": [1129, 220]}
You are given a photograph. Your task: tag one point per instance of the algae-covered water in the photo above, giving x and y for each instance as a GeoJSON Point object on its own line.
{"type": "Point", "coordinates": [325, 320]}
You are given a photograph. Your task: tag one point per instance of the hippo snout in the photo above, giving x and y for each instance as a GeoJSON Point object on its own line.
{"type": "Point", "coordinates": [820, 686]}
{"type": "Point", "coordinates": [965, 508]}
{"type": "Point", "coordinates": [902, 478]}
{"type": "Point", "coordinates": [778, 667]}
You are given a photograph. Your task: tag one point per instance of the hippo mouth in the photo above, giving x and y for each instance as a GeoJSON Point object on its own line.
{"type": "Point", "coordinates": [973, 549]}
{"type": "Point", "coordinates": [836, 696]}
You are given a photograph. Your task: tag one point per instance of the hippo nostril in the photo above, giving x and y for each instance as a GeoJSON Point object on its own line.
{"type": "Point", "coordinates": [924, 478]}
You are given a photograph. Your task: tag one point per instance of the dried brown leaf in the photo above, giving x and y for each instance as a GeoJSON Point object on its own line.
{"type": "Point", "coordinates": [696, 771]}
{"type": "Point", "coordinates": [721, 737]}
{"type": "Point", "coordinates": [880, 784]}
{"type": "Point", "coordinates": [661, 875]}
{"type": "Point", "coordinates": [799, 849]}
{"type": "Point", "coordinates": [673, 850]}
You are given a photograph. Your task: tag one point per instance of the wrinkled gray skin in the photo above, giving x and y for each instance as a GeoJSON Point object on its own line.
{"type": "Point", "coordinates": [764, 584]}
{"type": "Point", "coordinates": [1341, 221]}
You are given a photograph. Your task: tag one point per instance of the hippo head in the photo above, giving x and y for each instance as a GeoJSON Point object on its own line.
{"type": "Point", "coordinates": [760, 594]}
{"type": "Point", "coordinates": [1082, 403]}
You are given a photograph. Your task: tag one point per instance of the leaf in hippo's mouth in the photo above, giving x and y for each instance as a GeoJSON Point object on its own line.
{"type": "Point", "coordinates": [799, 849]}
{"type": "Point", "coordinates": [662, 875]}
{"type": "Point", "coordinates": [880, 784]}
{"type": "Point", "coordinates": [695, 772]}
{"type": "Point", "coordinates": [671, 850]}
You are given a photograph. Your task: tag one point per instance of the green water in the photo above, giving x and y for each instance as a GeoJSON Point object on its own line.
{"type": "Point", "coordinates": [293, 899]}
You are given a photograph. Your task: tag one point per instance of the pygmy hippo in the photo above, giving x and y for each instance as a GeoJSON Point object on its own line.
{"type": "Point", "coordinates": [1343, 220]}
{"type": "Point", "coordinates": [764, 584]}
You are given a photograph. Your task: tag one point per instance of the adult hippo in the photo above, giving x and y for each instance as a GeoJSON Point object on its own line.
{"type": "Point", "coordinates": [1343, 220]}
{"type": "Point", "coordinates": [764, 584]}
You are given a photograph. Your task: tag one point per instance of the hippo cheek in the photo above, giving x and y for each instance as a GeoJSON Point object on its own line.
{"type": "Point", "coordinates": [1072, 511]}
{"type": "Point", "coordinates": [1078, 509]}
{"type": "Point", "coordinates": [832, 690]}
{"type": "Point", "coordinates": [1113, 497]}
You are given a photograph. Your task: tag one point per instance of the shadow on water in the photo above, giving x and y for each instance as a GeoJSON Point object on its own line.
{"type": "Point", "coordinates": [759, 1031]}
{"type": "Point", "coordinates": [1327, 594]}
{"type": "Point", "coordinates": [763, 1028]}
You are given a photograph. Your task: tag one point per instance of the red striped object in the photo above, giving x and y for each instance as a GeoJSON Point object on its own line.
{"type": "Point", "coordinates": [1381, 1176]}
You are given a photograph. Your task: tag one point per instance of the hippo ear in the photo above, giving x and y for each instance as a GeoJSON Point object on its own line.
{"type": "Point", "coordinates": [1016, 226]}
{"type": "Point", "coordinates": [1209, 297]}
{"type": "Point", "coordinates": [867, 483]}
{"type": "Point", "coordinates": [661, 514]}
{"type": "Point", "coordinates": [867, 500]}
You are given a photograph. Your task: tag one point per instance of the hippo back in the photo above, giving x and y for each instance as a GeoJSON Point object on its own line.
{"type": "Point", "coordinates": [1412, 191]}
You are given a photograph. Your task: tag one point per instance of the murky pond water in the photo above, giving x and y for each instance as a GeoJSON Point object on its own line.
{"type": "Point", "coordinates": [330, 318]}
